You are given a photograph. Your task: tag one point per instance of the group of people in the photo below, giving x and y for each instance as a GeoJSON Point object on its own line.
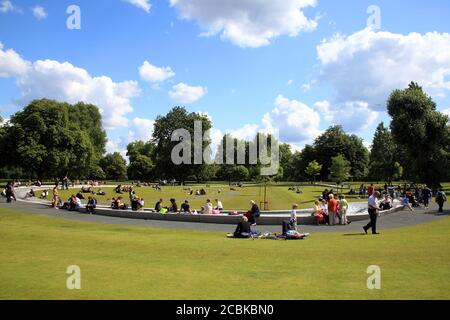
{"type": "Point", "coordinates": [123, 189]}
{"type": "Point", "coordinates": [185, 208]}
{"type": "Point", "coordinates": [330, 209]}
{"type": "Point", "coordinates": [289, 228]}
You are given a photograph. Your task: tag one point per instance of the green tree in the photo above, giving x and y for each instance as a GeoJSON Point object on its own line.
{"type": "Point", "coordinates": [300, 162]}
{"type": "Point", "coordinates": [421, 133]}
{"type": "Point", "coordinates": [177, 118]}
{"type": "Point", "coordinates": [383, 156]}
{"type": "Point", "coordinates": [114, 166]}
{"type": "Point", "coordinates": [142, 158]}
{"type": "Point", "coordinates": [286, 162]}
{"type": "Point", "coordinates": [340, 169]}
{"type": "Point", "coordinates": [44, 141]}
{"type": "Point", "coordinates": [142, 148]}
{"type": "Point", "coordinates": [239, 173]}
{"type": "Point", "coordinates": [141, 168]}
{"type": "Point", "coordinates": [333, 142]}
{"type": "Point", "coordinates": [89, 120]}
{"type": "Point", "coordinates": [313, 169]}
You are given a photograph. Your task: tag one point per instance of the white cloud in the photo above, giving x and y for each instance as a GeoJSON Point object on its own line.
{"type": "Point", "coordinates": [308, 86]}
{"type": "Point", "coordinates": [290, 82]}
{"type": "Point", "coordinates": [117, 145]}
{"type": "Point", "coordinates": [247, 132]}
{"type": "Point", "coordinates": [39, 12]}
{"type": "Point", "coordinates": [142, 4]}
{"type": "Point", "coordinates": [367, 144]}
{"type": "Point", "coordinates": [6, 6]}
{"type": "Point", "coordinates": [184, 93]}
{"type": "Point", "coordinates": [3, 122]}
{"type": "Point", "coordinates": [368, 65]}
{"type": "Point", "coordinates": [248, 23]}
{"type": "Point", "coordinates": [154, 74]}
{"type": "Point", "coordinates": [11, 64]}
{"type": "Point", "coordinates": [295, 122]}
{"type": "Point", "coordinates": [66, 82]}
{"type": "Point", "coordinates": [141, 129]}
{"type": "Point", "coordinates": [446, 112]}
{"type": "Point", "coordinates": [352, 115]}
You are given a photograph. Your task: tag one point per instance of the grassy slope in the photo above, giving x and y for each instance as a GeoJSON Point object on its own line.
{"type": "Point", "coordinates": [280, 198]}
{"type": "Point", "coordinates": [121, 262]}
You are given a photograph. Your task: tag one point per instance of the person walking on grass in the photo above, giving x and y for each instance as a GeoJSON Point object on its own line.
{"type": "Point", "coordinates": [373, 212]}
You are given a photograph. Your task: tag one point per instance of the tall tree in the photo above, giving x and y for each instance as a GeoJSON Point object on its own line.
{"type": "Point", "coordinates": [286, 162]}
{"type": "Point", "coordinates": [177, 118]}
{"type": "Point", "coordinates": [340, 169]}
{"type": "Point", "coordinates": [333, 142]}
{"type": "Point", "coordinates": [114, 166]}
{"type": "Point", "coordinates": [383, 156]}
{"type": "Point", "coordinates": [421, 133]}
{"type": "Point", "coordinates": [44, 141]}
{"type": "Point", "coordinates": [313, 169]}
{"type": "Point", "coordinates": [142, 157]}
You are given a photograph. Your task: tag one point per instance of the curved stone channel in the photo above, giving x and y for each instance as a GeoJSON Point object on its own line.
{"type": "Point", "coordinates": [357, 212]}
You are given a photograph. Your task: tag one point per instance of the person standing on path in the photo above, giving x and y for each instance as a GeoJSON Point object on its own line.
{"type": "Point", "coordinates": [344, 207]}
{"type": "Point", "coordinates": [373, 214]}
{"type": "Point", "coordinates": [440, 199]}
{"type": "Point", "coordinates": [426, 195]}
{"type": "Point", "coordinates": [332, 208]}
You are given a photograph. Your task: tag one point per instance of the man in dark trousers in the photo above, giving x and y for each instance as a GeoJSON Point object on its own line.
{"type": "Point", "coordinates": [426, 195]}
{"type": "Point", "coordinates": [373, 214]}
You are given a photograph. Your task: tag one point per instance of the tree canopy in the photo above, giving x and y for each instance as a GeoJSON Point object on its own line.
{"type": "Point", "coordinates": [49, 139]}
{"type": "Point", "coordinates": [421, 133]}
{"type": "Point", "coordinates": [177, 118]}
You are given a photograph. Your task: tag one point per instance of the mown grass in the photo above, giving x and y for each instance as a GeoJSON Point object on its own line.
{"type": "Point", "coordinates": [279, 197]}
{"type": "Point", "coordinates": [124, 262]}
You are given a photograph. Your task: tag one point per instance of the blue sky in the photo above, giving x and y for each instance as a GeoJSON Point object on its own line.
{"type": "Point", "coordinates": [295, 65]}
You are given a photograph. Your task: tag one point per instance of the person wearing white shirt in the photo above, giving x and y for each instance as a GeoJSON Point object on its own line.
{"type": "Point", "coordinates": [208, 207]}
{"type": "Point", "coordinates": [373, 214]}
{"type": "Point", "coordinates": [219, 205]}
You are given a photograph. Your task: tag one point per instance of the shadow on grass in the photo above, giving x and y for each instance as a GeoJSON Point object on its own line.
{"type": "Point", "coordinates": [354, 234]}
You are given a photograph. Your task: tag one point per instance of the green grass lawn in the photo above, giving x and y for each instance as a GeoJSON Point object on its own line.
{"type": "Point", "coordinates": [279, 197]}
{"type": "Point", "coordinates": [124, 262]}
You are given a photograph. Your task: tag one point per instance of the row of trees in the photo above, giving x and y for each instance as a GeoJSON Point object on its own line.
{"type": "Point", "coordinates": [49, 139]}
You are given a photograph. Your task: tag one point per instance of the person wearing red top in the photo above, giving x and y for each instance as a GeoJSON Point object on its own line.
{"type": "Point", "coordinates": [332, 208]}
{"type": "Point", "coordinates": [370, 190]}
